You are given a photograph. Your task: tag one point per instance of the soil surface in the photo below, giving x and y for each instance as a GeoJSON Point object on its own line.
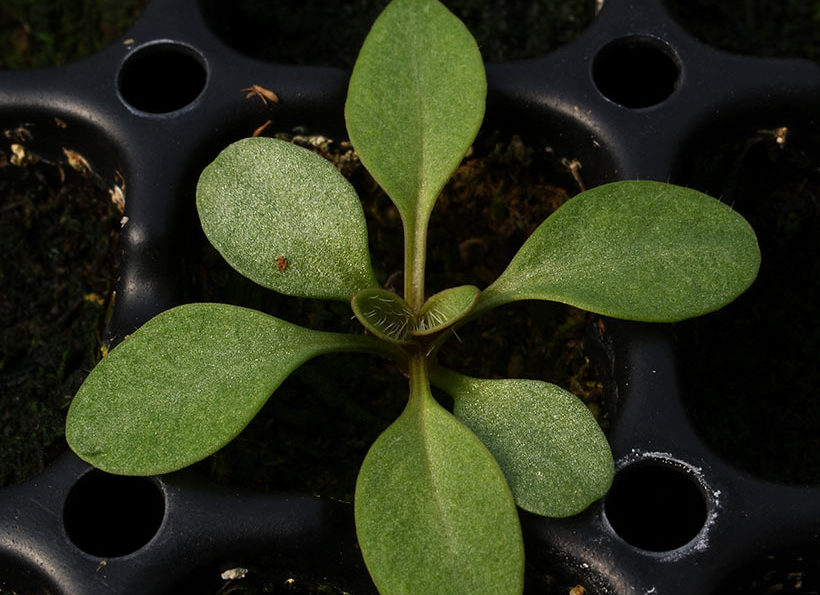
{"type": "Point", "coordinates": [297, 32]}
{"type": "Point", "coordinates": [59, 235]}
{"type": "Point", "coordinates": [751, 368]}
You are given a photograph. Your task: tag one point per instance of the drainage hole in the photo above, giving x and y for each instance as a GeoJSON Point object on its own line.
{"type": "Point", "coordinates": [111, 515]}
{"type": "Point", "coordinates": [636, 71]}
{"type": "Point", "coordinates": [655, 507]}
{"type": "Point", "coordinates": [161, 78]}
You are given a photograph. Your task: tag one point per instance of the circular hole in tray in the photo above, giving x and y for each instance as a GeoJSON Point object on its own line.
{"type": "Point", "coordinates": [655, 506]}
{"type": "Point", "coordinates": [162, 77]}
{"type": "Point", "coordinates": [113, 515]}
{"type": "Point", "coordinates": [635, 71]}
{"type": "Point", "coordinates": [331, 33]}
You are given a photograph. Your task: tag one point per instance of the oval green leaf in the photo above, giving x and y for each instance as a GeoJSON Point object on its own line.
{"type": "Point", "coordinates": [384, 314]}
{"type": "Point", "coordinates": [556, 458]}
{"type": "Point", "coordinates": [637, 250]}
{"type": "Point", "coordinates": [433, 512]}
{"type": "Point", "coordinates": [445, 308]}
{"type": "Point", "coordinates": [185, 384]}
{"type": "Point", "coordinates": [285, 218]}
{"type": "Point", "coordinates": [415, 102]}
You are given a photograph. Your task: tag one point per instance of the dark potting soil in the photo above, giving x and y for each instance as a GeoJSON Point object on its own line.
{"type": "Point", "coordinates": [789, 572]}
{"type": "Point", "coordinates": [751, 369]}
{"type": "Point", "coordinates": [765, 28]}
{"type": "Point", "coordinates": [42, 33]}
{"type": "Point", "coordinates": [263, 581]}
{"type": "Point", "coordinates": [59, 234]}
{"type": "Point", "coordinates": [253, 583]}
{"type": "Point", "coordinates": [296, 32]}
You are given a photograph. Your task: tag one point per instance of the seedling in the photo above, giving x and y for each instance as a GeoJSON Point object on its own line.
{"type": "Point", "coordinates": [436, 496]}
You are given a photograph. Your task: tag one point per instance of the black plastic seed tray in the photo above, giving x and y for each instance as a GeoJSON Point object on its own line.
{"type": "Point", "coordinates": [635, 96]}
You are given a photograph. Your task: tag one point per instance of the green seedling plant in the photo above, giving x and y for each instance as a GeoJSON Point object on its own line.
{"type": "Point", "coordinates": [437, 496]}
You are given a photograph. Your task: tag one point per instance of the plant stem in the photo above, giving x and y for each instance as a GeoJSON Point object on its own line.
{"type": "Point", "coordinates": [415, 253]}
{"type": "Point", "coordinates": [419, 379]}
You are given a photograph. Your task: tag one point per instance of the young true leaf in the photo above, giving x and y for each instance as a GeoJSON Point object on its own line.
{"type": "Point", "coordinates": [285, 218]}
{"type": "Point", "coordinates": [445, 308]}
{"type": "Point", "coordinates": [384, 314]}
{"type": "Point", "coordinates": [553, 453]}
{"type": "Point", "coordinates": [186, 383]}
{"type": "Point", "coordinates": [415, 102]}
{"type": "Point", "coordinates": [637, 250]}
{"type": "Point", "coordinates": [433, 512]}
